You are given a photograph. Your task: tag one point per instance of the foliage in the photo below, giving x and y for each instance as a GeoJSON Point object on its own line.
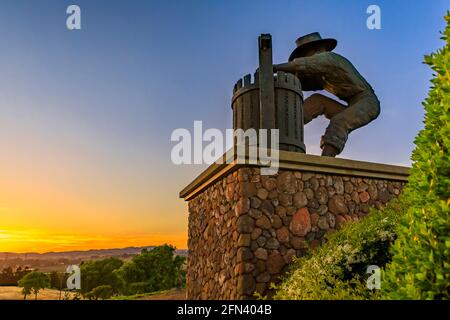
{"type": "Point", "coordinates": [100, 292]}
{"type": "Point", "coordinates": [151, 270]}
{"type": "Point", "coordinates": [99, 273]}
{"type": "Point", "coordinates": [33, 282]}
{"type": "Point", "coordinates": [58, 281]}
{"type": "Point", "coordinates": [139, 287]}
{"type": "Point", "coordinates": [420, 267]}
{"type": "Point", "coordinates": [10, 277]}
{"type": "Point", "coordinates": [154, 270]}
{"type": "Point", "coordinates": [337, 269]}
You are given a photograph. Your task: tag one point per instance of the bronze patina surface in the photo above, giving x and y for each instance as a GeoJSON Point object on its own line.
{"type": "Point", "coordinates": [320, 69]}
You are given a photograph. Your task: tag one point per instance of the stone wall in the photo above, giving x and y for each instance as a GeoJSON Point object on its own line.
{"type": "Point", "coordinates": [245, 228]}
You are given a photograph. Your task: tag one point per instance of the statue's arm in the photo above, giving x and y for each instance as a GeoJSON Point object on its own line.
{"type": "Point", "coordinates": [306, 65]}
{"type": "Point", "coordinates": [290, 67]}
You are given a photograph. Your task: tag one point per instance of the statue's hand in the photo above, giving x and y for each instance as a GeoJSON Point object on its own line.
{"type": "Point", "coordinates": [276, 68]}
{"type": "Point", "coordinates": [286, 67]}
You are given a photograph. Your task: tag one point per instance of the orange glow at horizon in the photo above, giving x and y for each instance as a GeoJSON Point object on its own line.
{"type": "Point", "coordinates": [64, 197]}
{"type": "Point", "coordinates": [64, 187]}
{"type": "Point", "coordinates": [19, 241]}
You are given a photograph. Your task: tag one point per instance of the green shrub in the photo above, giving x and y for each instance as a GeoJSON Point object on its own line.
{"type": "Point", "coordinates": [337, 269]}
{"type": "Point", "coordinates": [34, 282]}
{"type": "Point", "coordinates": [97, 273]}
{"type": "Point", "coordinates": [420, 267]}
{"type": "Point", "coordinates": [101, 292]}
{"type": "Point", "coordinates": [138, 288]}
{"type": "Point", "coordinates": [156, 269]}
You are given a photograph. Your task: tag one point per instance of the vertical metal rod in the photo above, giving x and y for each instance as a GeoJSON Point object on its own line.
{"type": "Point", "coordinates": [266, 89]}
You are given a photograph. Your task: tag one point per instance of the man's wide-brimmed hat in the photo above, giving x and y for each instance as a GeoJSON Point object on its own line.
{"type": "Point", "coordinates": [312, 40]}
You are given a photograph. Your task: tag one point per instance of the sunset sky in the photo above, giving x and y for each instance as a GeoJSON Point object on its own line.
{"type": "Point", "coordinates": [86, 116]}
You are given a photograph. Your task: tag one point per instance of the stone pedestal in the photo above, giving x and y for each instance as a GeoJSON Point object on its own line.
{"type": "Point", "coordinates": [244, 228]}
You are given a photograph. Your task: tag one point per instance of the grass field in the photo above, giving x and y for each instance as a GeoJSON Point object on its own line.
{"type": "Point", "coordinates": [15, 293]}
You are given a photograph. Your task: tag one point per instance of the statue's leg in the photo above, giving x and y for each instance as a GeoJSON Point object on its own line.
{"type": "Point", "coordinates": [361, 110]}
{"type": "Point", "coordinates": [318, 104]}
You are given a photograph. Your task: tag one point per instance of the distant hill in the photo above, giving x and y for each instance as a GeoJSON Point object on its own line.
{"type": "Point", "coordinates": [81, 254]}
{"type": "Point", "coordinates": [50, 261]}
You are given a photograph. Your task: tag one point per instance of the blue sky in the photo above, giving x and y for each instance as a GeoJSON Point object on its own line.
{"type": "Point", "coordinates": [102, 102]}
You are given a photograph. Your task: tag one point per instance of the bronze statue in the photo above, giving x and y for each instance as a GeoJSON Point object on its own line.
{"type": "Point", "coordinates": [320, 69]}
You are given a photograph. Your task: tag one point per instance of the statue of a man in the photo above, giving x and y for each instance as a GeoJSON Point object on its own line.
{"type": "Point", "coordinates": [320, 69]}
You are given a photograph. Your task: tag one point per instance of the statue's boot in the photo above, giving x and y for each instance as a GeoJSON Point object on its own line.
{"type": "Point", "coordinates": [329, 151]}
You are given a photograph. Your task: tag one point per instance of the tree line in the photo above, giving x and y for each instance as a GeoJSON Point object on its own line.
{"type": "Point", "coordinates": [151, 270]}
{"type": "Point", "coordinates": [11, 277]}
